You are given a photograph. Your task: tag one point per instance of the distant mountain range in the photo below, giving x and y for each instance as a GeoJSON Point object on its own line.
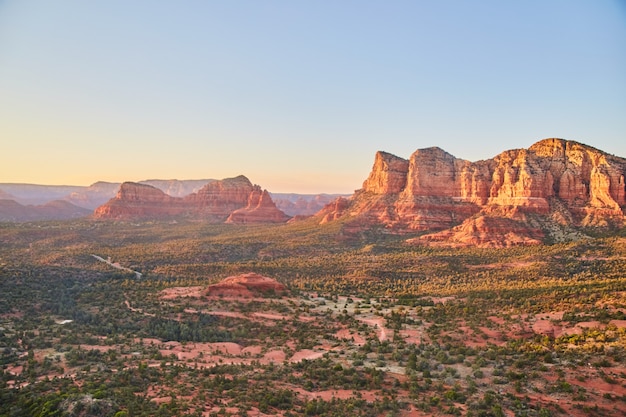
{"type": "Point", "coordinates": [32, 202]}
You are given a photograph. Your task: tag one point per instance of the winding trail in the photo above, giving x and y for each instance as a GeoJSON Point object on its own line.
{"type": "Point", "coordinates": [378, 323]}
{"type": "Point", "coordinates": [117, 265]}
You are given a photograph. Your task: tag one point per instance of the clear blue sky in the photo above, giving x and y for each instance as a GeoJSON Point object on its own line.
{"type": "Point", "coordinates": [298, 95]}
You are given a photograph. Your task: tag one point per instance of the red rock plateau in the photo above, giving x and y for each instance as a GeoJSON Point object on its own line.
{"type": "Point", "coordinates": [235, 200]}
{"type": "Point", "coordinates": [520, 196]}
{"type": "Point", "coordinates": [246, 285]}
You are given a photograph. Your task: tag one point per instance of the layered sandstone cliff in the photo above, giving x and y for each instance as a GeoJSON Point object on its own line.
{"type": "Point", "coordinates": [215, 202]}
{"type": "Point", "coordinates": [433, 190]}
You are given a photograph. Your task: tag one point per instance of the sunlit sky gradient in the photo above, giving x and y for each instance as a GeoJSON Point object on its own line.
{"type": "Point", "coordinates": [298, 95]}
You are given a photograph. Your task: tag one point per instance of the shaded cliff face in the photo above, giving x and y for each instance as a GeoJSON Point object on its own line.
{"type": "Point", "coordinates": [554, 181]}
{"type": "Point", "coordinates": [388, 174]}
{"type": "Point", "coordinates": [216, 201]}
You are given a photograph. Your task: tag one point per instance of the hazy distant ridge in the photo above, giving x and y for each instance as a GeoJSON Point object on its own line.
{"type": "Point", "coordinates": [22, 201]}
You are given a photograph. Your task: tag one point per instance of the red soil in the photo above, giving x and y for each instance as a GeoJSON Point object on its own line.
{"type": "Point", "coordinates": [379, 323]}
{"type": "Point", "coordinates": [306, 354]}
{"type": "Point", "coordinates": [178, 292]}
{"type": "Point", "coordinates": [347, 334]}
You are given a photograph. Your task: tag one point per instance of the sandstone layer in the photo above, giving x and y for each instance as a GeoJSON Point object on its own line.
{"type": "Point", "coordinates": [554, 181]}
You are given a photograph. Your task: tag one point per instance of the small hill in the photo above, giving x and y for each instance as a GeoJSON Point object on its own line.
{"type": "Point", "coordinates": [246, 285]}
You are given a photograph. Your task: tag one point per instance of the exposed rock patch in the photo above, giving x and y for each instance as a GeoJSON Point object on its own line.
{"type": "Point", "coordinates": [260, 209]}
{"type": "Point", "coordinates": [246, 285]}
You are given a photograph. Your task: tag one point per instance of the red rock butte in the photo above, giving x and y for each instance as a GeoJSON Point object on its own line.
{"type": "Point", "coordinates": [246, 285]}
{"type": "Point", "coordinates": [232, 200]}
{"type": "Point", "coordinates": [554, 183]}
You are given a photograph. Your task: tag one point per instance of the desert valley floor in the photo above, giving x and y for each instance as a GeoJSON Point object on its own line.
{"type": "Point", "coordinates": [298, 320]}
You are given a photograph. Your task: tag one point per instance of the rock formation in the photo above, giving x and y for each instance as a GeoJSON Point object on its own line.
{"type": "Point", "coordinates": [246, 285]}
{"type": "Point", "coordinates": [260, 209]}
{"type": "Point", "coordinates": [139, 201]}
{"type": "Point", "coordinates": [234, 199]}
{"type": "Point", "coordinates": [100, 192]}
{"type": "Point", "coordinates": [433, 190]}
{"type": "Point", "coordinates": [218, 199]}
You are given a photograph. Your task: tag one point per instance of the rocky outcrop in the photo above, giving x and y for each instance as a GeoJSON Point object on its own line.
{"type": "Point", "coordinates": [218, 199]}
{"type": "Point", "coordinates": [487, 231]}
{"type": "Point", "coordinates": [246, 285]}
{"type": "Point", "coordinates": [214, 202]}
{"type": "Point", "coordinates": [334, 210]}
{"type": "Point", "coordinates": [434, 190]}
{"type": "Point", "coordinates": [260, 209]}
{"type": "Point", "coordinates": [388, 176]}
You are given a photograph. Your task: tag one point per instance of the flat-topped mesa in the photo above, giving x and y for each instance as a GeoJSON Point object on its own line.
{"type": "Point", "coordinates": [132, 191]}
{"type": "Point", "coordinates": [135, 200]}
{"type": "Point", "coordinates": [434, 190]}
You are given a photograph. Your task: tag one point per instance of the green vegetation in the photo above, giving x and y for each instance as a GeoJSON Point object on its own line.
{"type": "Point", "coordinates": [372, 326]}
